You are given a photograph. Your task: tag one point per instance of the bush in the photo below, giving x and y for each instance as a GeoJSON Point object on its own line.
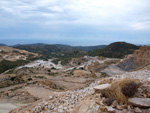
{"type": "Point", "coordinates": [49, 70]}
{"type": "Point", "coordinates": [29, 79]}
{"type": "Point", "coordinates": [129, 89]}
{"type": "Point", "coordinates": [5, 64]}
{"type": "Point", "coordinates": [10, 72]}
{"type": "Point", "coordinates": [12, 78]}
{"type": "Point", "coordinates": [120, 89]}
{"type": "Point", "coordinates": [103, 74]}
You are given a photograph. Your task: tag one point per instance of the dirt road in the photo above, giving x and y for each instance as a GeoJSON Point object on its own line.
{"type": "Point", "coordinates": [6, 107]}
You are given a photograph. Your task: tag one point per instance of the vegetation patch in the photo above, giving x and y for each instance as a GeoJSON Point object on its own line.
{"type": "Point", "coordinates": [122, 89]}
{"type": "Point", "coordinates": [5, 64]}
{"type": "Point", "coordinates": [29, 79]}
{"type": "Point", "coordinates": [63, 53]}
{"type": "Point", "coordinates": [115, 50]}
{"type": "Point", "coordinates": [10, 71]}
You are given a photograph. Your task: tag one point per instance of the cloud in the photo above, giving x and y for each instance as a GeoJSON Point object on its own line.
{"type": "Point", "coordinates": [66, 18]}
{"type": "Point", "coordinates": [107, 10]}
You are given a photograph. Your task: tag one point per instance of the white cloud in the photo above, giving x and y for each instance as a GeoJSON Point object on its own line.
{"type": "Point", "coordinates": [106, 13]}
{"type": "Point", "coordinates": [141, 26]}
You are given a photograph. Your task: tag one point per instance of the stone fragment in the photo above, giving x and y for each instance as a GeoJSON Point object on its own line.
{"type": "Point", "coordinates": [140, 102]}
{"type": "Point", "coordinates": [27, 111]}
{"type": "Point", "coordinates": [115, 103]}
{"type": "Point", "coordinates": [118, 111]}
{"type": "Point", "coordinates": [60, 111]}
{"type": "Point", "coordinates": [110, 109]}
{"type": "Point", "coordinates": [148, 79]}
{"type": "Point", "coordinates": [137, 110]}
{"type": "Point", "coordinates": [109, 101]}
{"type": "Point", "coordinates": [50, 97]}
{"type": "Point", "coordinates": [124, 111]}
{"type": "Point", "coordinates": [101, 87]}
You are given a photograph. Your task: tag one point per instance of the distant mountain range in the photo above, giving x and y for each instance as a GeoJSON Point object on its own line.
{"type": "Point", "coordinates": [46, 51]}
{"type": "Point", "coordinates": [46, 48]}
{"type": "Point", "coordinates": [114, 50]}
{"type": "Point", "coordinates": [61, 46]}
{"type": "Point", "coordinates": [3, 45]}
{"type": "Point", "coordinates": [89, 48]}
{"type": "Point", "coordinates": [56, 47]}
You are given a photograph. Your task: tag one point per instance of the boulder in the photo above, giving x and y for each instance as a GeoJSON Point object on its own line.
{"type": "Point", "coordinates": [140, 102]}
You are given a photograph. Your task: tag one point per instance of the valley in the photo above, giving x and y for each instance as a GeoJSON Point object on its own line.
{"type": "Point", "coordinates": [74, 56]}
{"type": "Point", "coordinates": [49, 86]}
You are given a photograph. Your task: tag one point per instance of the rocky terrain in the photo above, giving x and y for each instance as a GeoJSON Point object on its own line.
{"type": "Point", "coordinates": [23, 84]}
{"type": "Point", "coordinates": [84, 85]}
{"type": "Point", "coordinates": [137, 60]}
{"type": "Point", "coordinates": [92, 100]}
{"type": "Point", "coordinates": [12, 54]}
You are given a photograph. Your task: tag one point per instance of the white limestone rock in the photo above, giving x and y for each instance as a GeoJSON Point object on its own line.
{"type": "Point", "coordinates": [110, 109]}
{"type": "Point", "coordinates": [140, 102]}
{"type": "Point", "coordinates": [101, 87]}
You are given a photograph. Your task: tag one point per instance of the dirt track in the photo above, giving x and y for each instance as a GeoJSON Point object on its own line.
{"type": "Point", "coordinates": [6, 107]}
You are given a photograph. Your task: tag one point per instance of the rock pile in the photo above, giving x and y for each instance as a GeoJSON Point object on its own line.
{"type": "Point", "coordinates": [86, 100]}
{"type": "Point", "coordinates": [100, 103]}
{"type": "Point", "coordinates": [64, 102]}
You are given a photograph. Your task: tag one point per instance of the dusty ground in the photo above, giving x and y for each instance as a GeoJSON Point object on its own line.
{"type": "Point", "coordinates": [39, 92]}
{"type": "Point", "coordinates": [40, 82]}
{"type": "Point", "coordinates": [13, 54]}
{"type": "Point", "coordinates": [112, 70]}
{"type": "Point", "coordinates": [6, 107]}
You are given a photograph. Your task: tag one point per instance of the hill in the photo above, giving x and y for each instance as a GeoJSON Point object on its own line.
{"type": "Point", "coordinates": [115, 50]}
{"type": "Point", "coordinates": [63, 53]}
{"type": "Point", "coordinates": [11, 57]}
{"type": "Point", "coordinates": [3, 44]}
{"type": "Point", "coordinates": [58, 47]}
{"type": "Point", "coordinates": [46, 48]}
{"type": "Point", "coordinates": [89, 48]}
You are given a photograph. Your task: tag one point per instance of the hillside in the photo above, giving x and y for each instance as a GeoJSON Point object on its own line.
{"type": "Point", "coordinates": [11, 57]}
{"type": "Point", "coordinates": [12, 54]}
{"type": "Point", "coordinates": [3, 44]}
{"type": "Point", "coordinates": [116, 94]}
{"type": "Point", "coordinates": [89, 48]}
{"type": "Point", "coordinates": [46, 48]}
{"type": "Point", "coordinates": [86, 85]}
{"type": "Point", "coordinates": [138, 59]}
{"type": "Point", "coordinates": [63, 53]}
{"type": "Point", "coordinates": [115, 50]}
{"type": "Point", "coordinates": [58, 47]}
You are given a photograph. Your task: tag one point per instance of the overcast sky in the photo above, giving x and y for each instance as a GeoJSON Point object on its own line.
{"type": "Point", "coordinates": [74, 22]}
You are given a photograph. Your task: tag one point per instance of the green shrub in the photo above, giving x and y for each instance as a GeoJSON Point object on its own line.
{"type": "Point", "coordinates": [29, 79]}
{"type": "Point", "coordinates": [49, 70]}
{"type": "Point", "coordinates": [12, 78]}
{"type": "Point", "coordinates": [5, 64]}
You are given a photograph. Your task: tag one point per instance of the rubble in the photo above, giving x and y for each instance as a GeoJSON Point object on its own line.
{"type": "Point", "coordinates": [86, 101]}
{"type": "Point", "coordinates": [122, 93]}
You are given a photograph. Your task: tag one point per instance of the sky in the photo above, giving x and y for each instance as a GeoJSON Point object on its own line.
{"type": "Point", "coordinates": [74, 22]}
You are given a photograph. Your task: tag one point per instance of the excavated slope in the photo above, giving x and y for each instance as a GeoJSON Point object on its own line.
{"type": "Point", "coordinates": [138, 59]}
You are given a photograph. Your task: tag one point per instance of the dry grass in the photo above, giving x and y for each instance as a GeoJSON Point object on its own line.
{"type": "Point", "coordinates": [101, 58]}
{"type": "Point", "coordinates": [106, 81]}
{"type": "Point", "coordinates": [47, 82]}
{"type": "Point", "coordinates": [116, 92]}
